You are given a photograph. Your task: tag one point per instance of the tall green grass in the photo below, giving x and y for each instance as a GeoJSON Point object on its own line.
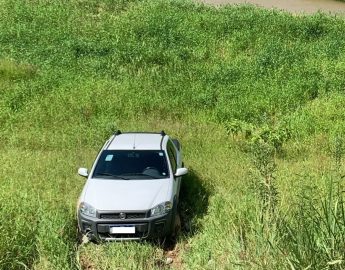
{"type": "Point", "coordinates": [255, 96]}
{"type": "Point", "coordinates": [315, 235]}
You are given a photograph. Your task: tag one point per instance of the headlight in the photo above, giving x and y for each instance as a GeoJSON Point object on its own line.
{"type": "Point", "coordinates": [161, 209]}
{"type": "Point", "coordinates": [87, 209]}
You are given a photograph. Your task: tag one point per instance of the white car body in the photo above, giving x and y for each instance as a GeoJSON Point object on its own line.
{"type": "Point", "coordinates": [132, 206]}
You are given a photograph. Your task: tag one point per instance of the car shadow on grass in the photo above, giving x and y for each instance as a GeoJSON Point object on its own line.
{"type": "Point", "coordinates": [193, 205]}
{"type": "Point", "coordinates": [194, 198]}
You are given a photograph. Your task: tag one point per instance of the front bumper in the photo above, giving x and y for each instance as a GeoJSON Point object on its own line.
{"type": "Point", "coordinates": [145, 228]}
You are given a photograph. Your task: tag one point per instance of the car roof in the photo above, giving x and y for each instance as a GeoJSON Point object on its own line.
{"type": "Point", "coordinates": [137, 141]}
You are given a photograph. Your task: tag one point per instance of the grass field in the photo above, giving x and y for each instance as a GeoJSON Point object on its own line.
{"type": "Point", "coordinates": [256, 98]}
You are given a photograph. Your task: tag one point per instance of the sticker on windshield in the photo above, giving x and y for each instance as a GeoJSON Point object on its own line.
{"type": "Point", "coordinates": [109, 157]}
{"type": "Point", "coordinates": [161, 154]}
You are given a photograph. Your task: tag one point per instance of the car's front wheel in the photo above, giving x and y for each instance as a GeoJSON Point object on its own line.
{"type": "Point", "coordinates": [175, 222]}
{"type": "Point", "coordinates": [177, 225]}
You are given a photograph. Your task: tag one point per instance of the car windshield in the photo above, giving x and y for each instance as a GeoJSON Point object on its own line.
{"type": "Point", "coordinates": [131, 164]}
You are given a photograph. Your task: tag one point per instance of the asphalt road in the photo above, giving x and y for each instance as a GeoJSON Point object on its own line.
{"type": "Point", "coordinates": [294, 6]}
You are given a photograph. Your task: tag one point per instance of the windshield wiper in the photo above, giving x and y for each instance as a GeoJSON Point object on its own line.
{"type": "Point", "coordinates": [113, 175]}
{"type": "Point", "coordinates": [143, 174]}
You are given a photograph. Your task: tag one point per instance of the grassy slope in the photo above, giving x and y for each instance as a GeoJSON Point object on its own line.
{"type": "Point", "coordinates": [220, 79]}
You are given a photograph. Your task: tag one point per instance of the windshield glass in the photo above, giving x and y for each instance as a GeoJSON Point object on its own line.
{"type": "Point", "coordinates": [132, 164]}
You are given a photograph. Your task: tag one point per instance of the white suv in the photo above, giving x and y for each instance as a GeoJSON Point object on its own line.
{"type": "Point", "coordinates": [132, 190]}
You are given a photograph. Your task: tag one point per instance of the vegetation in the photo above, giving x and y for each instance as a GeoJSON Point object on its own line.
{"type": "Point", "coordinates": [256, 96]}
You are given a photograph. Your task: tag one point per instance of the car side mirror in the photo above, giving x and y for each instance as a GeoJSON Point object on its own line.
{"type": "Point", "coordinates": [83, 172]}
{"type": "Point", "coordinates": [181, 171]}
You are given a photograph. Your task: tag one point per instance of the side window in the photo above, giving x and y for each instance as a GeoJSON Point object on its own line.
{"type": "Point", "coordinates": [172, 156]}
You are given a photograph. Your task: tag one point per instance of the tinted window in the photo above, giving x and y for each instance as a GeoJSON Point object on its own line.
{"type": "Point", "coordinates": [172, 156]}
{"type": "Point", "coordinates": [135, 164]}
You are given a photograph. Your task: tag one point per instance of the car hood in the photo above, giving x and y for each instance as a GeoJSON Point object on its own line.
{"type": "Point", "coordinates": [120, 195]}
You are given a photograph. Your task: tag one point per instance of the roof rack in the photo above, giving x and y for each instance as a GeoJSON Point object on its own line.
{"type": "Point", "coordinates": [162, 132]}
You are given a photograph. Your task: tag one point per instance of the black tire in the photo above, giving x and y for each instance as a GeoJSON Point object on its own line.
{"type": "Point", "coordinates": [80, 236]}
{"type": "Point", "coordinates": [175, 222]}
{"type": "Point", "coordinates": [177, 225]}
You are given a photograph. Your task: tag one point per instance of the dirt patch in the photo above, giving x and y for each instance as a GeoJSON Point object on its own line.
{"type": "Point", "coordinates": [172, 256]}
{"type": "Point", "coordinates": [294, 6]}
{"type": "Point", "coordinates": [86, 263]}
{"type": "Point", "coordinates": [175, 256]}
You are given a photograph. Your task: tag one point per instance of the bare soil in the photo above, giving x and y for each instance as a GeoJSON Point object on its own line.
{"type": "Point", "coordinates": [294, 6]}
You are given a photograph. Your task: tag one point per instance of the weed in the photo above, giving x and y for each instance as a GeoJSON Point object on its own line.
{"type": "Point", "coordinates": [314, 237]}
{"type": "Point", "coordinates": [263, 159]}
{"type": "Point", "coordinates": [337, 149]}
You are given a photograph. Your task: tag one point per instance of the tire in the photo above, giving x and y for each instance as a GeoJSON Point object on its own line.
{"type": "Point", "coordinates": [175, 223]}
{"type": "Point", "coordinates": [80, 237]}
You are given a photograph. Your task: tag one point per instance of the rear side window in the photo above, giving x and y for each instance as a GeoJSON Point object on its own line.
{"type": "Point", "coordinates": [172, 156]}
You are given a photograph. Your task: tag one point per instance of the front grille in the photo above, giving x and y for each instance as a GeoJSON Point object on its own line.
{"type": "Point", "coordinates": [109, 216]}
{"type": "Point", "coordinates": [135, 215]}
{"type": "Point", "coordinates": [139, 235]}
{"type": "Point", "coordinates": [128, 215]}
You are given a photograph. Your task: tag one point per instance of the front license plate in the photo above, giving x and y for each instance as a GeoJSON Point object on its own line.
{"type": "Point", "coordinates": [122, 230]}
